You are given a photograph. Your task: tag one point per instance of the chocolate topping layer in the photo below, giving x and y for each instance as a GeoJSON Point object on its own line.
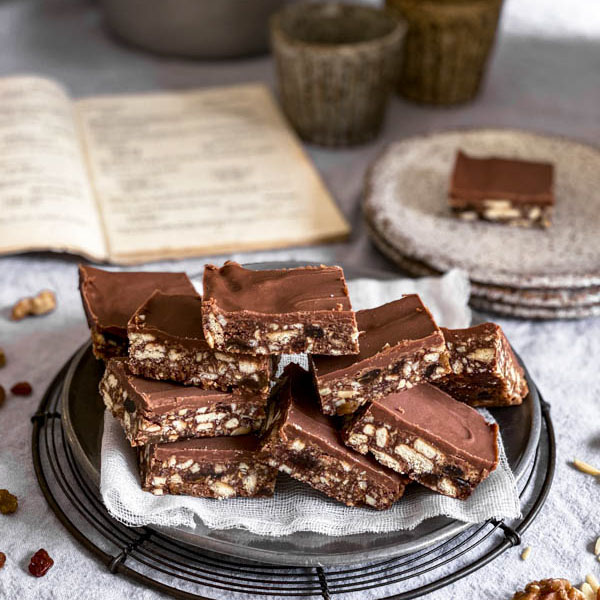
{"type": "Point", "coordinates": [110, 298]}
{"type": "Point", "coordinates": [399, 322]}
{"type": "Point", "coordinates": [304, 418]}
{"type": "Point", "coordinates": [174, 316]}
{"type": "Point", "coordinates": [482, 330]}
{"type": "Point", "coordinates": [278, 291]}
{"type": "Point", "coordinates": [456, 428]}
{"type": "Point", "coordinates": [209, 449]}
{"type": "Point", "coordinates": [479, 179]}
{"type": "Point", "coordinates": [161, 397]}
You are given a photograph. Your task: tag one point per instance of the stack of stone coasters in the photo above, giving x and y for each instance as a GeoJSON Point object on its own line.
{"type": "Point", "coordinates": [192, 413]}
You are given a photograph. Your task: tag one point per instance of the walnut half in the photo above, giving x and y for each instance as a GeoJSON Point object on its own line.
{"type": "Point", "coordinates": [41, 304]}
{"type": "Point", "coordinates": [555, 589]}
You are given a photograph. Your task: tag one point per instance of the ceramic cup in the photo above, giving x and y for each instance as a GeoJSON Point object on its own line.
{"type": "Point", "coordinates": [447, 47]}
{"type": "Point", "coordinates": [336, 66]}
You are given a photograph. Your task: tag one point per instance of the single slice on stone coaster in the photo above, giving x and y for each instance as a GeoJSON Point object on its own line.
{"type": "Point", "coordinates": [222, 467]}
{"type": "Point", "coordinates": [157, 411]}
{"type": "Point", "coordinates": [306, 445]}
{"type": "Point", "coordinates": [485, 370]}
{"type": "Point", "coordinates": [422, 432]}
{"type": "Point", "coordinates": [283, 311]}
{"type": "Point", "coordinates": [400, 345]}
{"type": "Point", "coordinates": [514, 192]}
{"type": "Point", "coordinates": [166, 341]}
{"type": "Point", "coordinates": [110, 298]}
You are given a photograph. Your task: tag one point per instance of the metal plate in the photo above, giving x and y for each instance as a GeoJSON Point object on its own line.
{"type": "Point", "coordinates": [82, 414]}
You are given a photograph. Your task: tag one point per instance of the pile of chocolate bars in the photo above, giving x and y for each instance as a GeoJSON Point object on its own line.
{"type": "Point", "coordinates": [388, 399]}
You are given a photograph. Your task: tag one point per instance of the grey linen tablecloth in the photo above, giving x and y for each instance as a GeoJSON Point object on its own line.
{"type": "Point", "coordinates": [544, 76]}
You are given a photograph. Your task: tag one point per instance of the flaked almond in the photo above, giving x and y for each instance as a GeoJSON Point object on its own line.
{"type": "Point", "coordinates": [597, 547]}
{"type": "Point", "coordinates": [587, 591]}
{"type": "Point", "coordinates": [592, 582]}
{"type": "Point", "coordinates": [525, 554]}
{"type": "Point", "coordinates": [586, 468]}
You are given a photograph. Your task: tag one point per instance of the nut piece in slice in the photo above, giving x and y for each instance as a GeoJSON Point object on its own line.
{"type": "Point", "coordinates": [549, 589]}
{"type": "Point", "coordinates": [166, 341]}
{"type": "Point", "coordinates": [158, 411]}
{"type": "Point", "coordinates": [507, 191]}
{"type": "Point", "coordinates": [282, 311]}
{"type": "Point", "coordinates": [400, 345]}
{"type": "Point", "coordinates": [110, 298]}
{"type": "Point", "coordinates": [305, 444]}
{"type": "Point", "coordinates": [222, 467]}
{"type": "Point", "coordinates": [422, 432]}
{"type": "Point", "coordinates": [485, 370]}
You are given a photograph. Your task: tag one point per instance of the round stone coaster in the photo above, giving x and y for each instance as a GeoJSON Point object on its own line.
{"type": "Point", "coordinates": [406, 205]}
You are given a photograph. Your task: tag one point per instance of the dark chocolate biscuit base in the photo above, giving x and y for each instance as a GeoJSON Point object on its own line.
{"type": "Point", "coordinates": [485, 370]}
{"type": "Point", "coordinates": [156, 411]}
{"type": "Point", "coordinates": [303, 443]}
{"type": "Point", "coordinates": [166, 342]}
{"type": "Point", "coordinates": [423, 433]}
{"type": "Point", "coordinates": [400, 345]}
{"type": "Point", "coordinates": [111, 297]}
{"type": "Point", "coordinates": [285, 311]}
{"type": "Point", "coordinates": [222, 468]}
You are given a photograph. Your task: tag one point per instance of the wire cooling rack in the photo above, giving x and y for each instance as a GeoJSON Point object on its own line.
{"type": "Point", "coordinates": [188, 572]}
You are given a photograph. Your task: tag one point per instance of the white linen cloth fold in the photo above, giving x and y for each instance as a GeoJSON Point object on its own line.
{"type": "Point", "coordinates": [298, 507]}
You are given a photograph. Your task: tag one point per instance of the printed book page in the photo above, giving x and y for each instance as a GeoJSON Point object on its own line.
{"type": "Point", "coordinates": [46, 202]}
{"type": "Point", "coordinates": [202, 171]}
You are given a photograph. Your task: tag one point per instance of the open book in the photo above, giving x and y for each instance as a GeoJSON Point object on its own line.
{"type": "Point", "coordinates": [131, 179]}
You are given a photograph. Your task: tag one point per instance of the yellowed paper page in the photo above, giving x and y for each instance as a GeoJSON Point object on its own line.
{"type": "Point", "coordinates": [46, 202]}
{"type": "Point", "coordinates": [201, 172]}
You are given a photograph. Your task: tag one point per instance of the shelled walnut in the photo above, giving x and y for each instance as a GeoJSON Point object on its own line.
{"type": "Point", "coordinates": [556, 589]}
{"type": "Point", "coordinates": [42, 303]}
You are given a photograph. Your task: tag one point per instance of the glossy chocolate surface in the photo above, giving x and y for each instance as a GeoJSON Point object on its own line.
{"type": "Point", "coordinates": [281, 291]}
{"type": "Point", "coordinates": [209, 448]}
{"type": "Point", "coordinates": [397, 323]}
{"type": "Point", "coordinates": [481, 179]}
{"type": "Point", "coordinates": [110, 298]}
{"type": "Point", "coordinates": [433, 415]}
{"type": "Point", "coordinates": [174, 316]}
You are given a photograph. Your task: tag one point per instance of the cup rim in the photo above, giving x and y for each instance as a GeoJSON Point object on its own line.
{"type": "Point", "coordinates": [398, 30]}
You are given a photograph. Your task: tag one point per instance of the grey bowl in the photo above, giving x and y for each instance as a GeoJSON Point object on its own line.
{"type": "Point", "coordinates": [193, 28]}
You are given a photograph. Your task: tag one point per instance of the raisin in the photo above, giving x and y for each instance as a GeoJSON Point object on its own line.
{"type": "Point", "coordinates": [40, 563]}
{"type": "Point", "coordinates": [430, 370]}
{"type": "Point", "coordinates": [452, 471]}
{"type": "Point", "coordinates": [2, 358]}
{"type": "Point", "coordinates": [23, 388]}
{"type": "Point", "coordinates": [2, 395]}
{"type": "Point", "coordinates": [369, 376]}
{"type": "Point", "coordinates": [8, 502]}
{"type": "Point", "coordinates": [2, 559]}
{"type": "Point", "coordinates": [314, 331]}
{"type": "Point", "coordinates": [129, 405]}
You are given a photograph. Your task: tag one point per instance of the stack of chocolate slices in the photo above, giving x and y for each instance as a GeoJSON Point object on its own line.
{"type": "Point", "coordinates": [386, 401]}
